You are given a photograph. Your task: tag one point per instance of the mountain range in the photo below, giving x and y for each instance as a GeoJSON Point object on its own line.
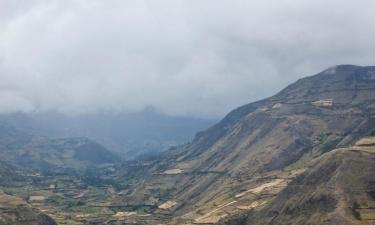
{"type": "Point", "coordinates": [129, 135]}
{"type": "Point", "coordinates": [303, 156]}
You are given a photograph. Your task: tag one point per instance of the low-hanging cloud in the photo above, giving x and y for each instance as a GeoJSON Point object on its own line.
{"type": "Point", "coordinates": [182, 57]}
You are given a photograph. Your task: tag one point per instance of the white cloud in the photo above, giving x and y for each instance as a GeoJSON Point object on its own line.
{"type": "Point", "coordinates": [180, 56]}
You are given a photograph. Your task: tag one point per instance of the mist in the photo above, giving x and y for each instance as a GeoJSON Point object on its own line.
{"type": "Point", "coordinates": [184, 58]}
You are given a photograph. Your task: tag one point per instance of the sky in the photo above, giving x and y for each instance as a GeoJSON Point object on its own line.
{"type": "Point", "coordinates": [197, 58]}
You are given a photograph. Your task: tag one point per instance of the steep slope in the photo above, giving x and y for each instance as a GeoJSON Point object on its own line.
{"type": "Point", "coordinates": [26, 150]}
{"type": "Point", "coordinates": [15, 211]}
{"type": "Point", "coordinates": [337, 188]}
{"type": "Point", "coordinates": [258, 148]}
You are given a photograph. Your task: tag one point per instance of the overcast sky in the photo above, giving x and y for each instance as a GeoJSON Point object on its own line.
{"type": "Point", "coordinates": [183, 57]}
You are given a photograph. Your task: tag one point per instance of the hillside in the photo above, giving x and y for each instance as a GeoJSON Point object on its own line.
{"type": "Point", "coordinates": [14, 211]}
{"type": "Point", "coordinates": [258, 149]}
{"type": "Point", "coordinates": [336, 188]}
{"type": "Point", "coordinates": [22, 149]}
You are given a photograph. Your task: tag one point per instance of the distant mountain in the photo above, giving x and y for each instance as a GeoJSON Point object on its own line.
{"type": "Point", "coordinates": [26, 150]}
{"type": "Point", "coordinates": [255, 158]}
{"type": "Point", "coordinates": [128, 134]}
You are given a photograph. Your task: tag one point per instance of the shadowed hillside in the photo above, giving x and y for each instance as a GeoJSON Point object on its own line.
{"type": "Point", "coordinates": [26, 150]}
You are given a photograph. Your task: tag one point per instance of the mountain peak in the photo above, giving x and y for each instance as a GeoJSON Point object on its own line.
{"type": "Point", "coordinates": [347, 68]}
{"type": "Point", "coordinates": [341, 82]}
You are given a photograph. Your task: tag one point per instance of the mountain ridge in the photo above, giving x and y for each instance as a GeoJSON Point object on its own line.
{"type": "Point", "coordinates": [268, 138]}
{"type": "Point", "coordinates": [30, 151]}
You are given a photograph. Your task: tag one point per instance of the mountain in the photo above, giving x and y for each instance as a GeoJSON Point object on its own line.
{"type": "Point", "coordinates": [303, 156]}
{"type": "Point", "coordinates": [255, 155]}
{"type": "Point", "coordinates": [128, 134]}
{"type": "Point", "coordinates": [19, 148]}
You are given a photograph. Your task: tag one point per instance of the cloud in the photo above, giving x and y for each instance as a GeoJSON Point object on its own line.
{"type": "Point", "coordinates": [182, 57]}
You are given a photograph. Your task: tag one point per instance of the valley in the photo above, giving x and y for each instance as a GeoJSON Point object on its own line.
{"type": "Point", "coordinates": [303, 156]}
